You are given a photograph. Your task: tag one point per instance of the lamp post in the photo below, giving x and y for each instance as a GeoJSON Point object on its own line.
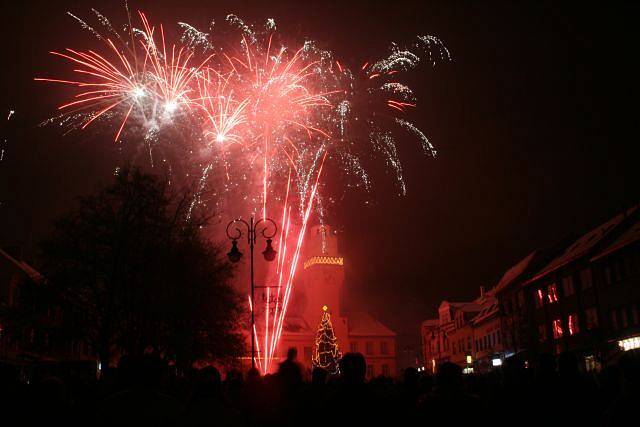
{"type": "Point", "coordinates": [236, 231]}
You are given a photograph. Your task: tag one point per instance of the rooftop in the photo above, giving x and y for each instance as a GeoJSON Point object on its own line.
{"type": "Point", "coordinates": [362, 324]}
{"type": "Point", "coordinates": [585, 244]}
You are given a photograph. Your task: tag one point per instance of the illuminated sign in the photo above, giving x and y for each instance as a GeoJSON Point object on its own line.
{"type": "Point", "coordinates": [323, 260]}
{"type": "Point", "coordinates": [496, 362]}
{"type": "Point", "coordinates": [629, 343]}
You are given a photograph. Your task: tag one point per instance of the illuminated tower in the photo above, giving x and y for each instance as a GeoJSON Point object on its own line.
{"type": "Point", "coordinates": [323, 279]}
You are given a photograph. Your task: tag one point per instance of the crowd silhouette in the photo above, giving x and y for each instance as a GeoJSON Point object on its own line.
{"type": "Point", "coordinates": [143, 391]}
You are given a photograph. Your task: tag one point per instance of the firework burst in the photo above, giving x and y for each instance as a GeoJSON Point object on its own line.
{"type": "Point", "coordinates": [256, 119]}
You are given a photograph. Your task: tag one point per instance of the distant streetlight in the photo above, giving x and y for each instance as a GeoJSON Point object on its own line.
{"type": "Point", "coordinates": [269, 254]}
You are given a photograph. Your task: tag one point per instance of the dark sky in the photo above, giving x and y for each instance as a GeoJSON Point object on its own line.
{"type": "Point", "coordinates": [535, 123]}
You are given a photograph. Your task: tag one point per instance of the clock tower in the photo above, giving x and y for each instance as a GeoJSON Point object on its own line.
{"type": "Point", "coordinates": [322, 281]}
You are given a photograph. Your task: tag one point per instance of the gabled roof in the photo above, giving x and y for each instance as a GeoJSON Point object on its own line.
{"type": "Point", "coordinates": [629, 236]}
{"type": "Point", "coordinates": [462, 306]}
{"type": "Point", "coordinates": [296, 325]}
{"type": "Point", "coordinates": [585, 244]}
{"type": "Point", "coordinates": [31, 272]}
{"type": "Point", "coordinates": [515, 272]}
{"type": "Point", "coordinates": [489, 308]}
{"type": "Point", "coordinates": [362, 324]}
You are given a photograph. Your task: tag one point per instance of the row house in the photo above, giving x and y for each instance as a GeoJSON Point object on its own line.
{"type": "Point", "coordinates": [587, 299]}
{"type": "Point", "coordinates": [580, 295]}
{"type": "Point", "coordinates": [466, 333]}
{"type": "Point", "coordinates": [30, 321]}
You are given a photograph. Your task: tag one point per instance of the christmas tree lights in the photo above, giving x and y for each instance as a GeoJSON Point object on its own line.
{"type": "Point", "coordinates": [326, 354]}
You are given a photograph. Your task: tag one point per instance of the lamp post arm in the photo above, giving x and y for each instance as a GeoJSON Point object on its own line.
{"type": "Point", "coordinates": [234, 233]}
{"type": "Point", "coordinates": [264, 231]}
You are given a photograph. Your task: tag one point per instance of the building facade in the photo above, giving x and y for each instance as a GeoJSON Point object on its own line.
{"type": "Point", "coordinates": [587, 299]}
{"type": "Point", "coordinates": [582, 295]}
{"type": "Point", "coordinates": [466, 333]}
{"type": "Point", "coordinates": [321, 283]}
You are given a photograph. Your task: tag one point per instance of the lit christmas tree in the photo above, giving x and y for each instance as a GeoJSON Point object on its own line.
{"type": "Point", "coordinates": [326, 354]}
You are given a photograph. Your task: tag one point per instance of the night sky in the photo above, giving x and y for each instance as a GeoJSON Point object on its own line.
{"type": "Point", "coordinates": [535, 123]}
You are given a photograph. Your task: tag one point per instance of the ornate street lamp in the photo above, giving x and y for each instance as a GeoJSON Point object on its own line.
{"type": "Point", "coordinates": [265, 227]}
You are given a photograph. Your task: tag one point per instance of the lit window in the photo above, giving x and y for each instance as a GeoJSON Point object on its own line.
{"type": "Point", "coordinates": [567, 286]}
{"type": "Point", "coordinates": [591, 318]}
{"type": "Point", "coordinates": [590, 363]}
{"type": "Point", "coordinates": [585, 278]}
{"type": "Point", "coordinates": [539, 298]}
{"type": "Point", "coordinates": [369, 347]}
{"type": "Point", "coordinates": [557, 328]}
{"type": "Point", "coordinates": [552, 293]}
{"type": "Point", "coordinates": [629, 343]}
{"type": "Point", "coordinates": [572, 324]}
{"type": "Point", "coordinates": [353, 346]}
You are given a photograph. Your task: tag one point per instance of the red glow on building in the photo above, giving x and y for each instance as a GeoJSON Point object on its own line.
{"type": "Point", "coordinates": [573, 324]}
{"type": "Point", "coordinates": [557, 329]}
{"type": "Point", "coordinates": [552, 294]}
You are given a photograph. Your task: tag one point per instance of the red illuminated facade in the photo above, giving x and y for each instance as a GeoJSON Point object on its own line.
{"type": "Point", "coordinates": [321, 283]}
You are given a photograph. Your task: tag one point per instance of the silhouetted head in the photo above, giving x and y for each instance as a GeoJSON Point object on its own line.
{"type": "Point", "coordinates": [208, 382]}
{"type": "Point", "coordinates": [319, 376]}
{"type": "Point", "coordinates": [353, 368]}
{"type": "Point", "coordinates": [292, 354]}
{"type": "Point", "coordinates": [630, 367]}
{"type": "Point", "coordinates": [449, 376]}
{"type": "Point", "coordinates": [145, 371]}
{"type": "Point", "coordinates": [411, 376]}
{"type": "Point", "coordinates": [546, 364]}
{"type": "Point", "coordinates": [568, 364]}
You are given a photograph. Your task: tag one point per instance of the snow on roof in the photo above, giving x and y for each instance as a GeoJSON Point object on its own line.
{"type": "Point", "coordinates": [31, 272]}
{"type": "Point", "coordinates": [296, 324]}
{"type": "Point", "coordinates": [463, 306]}
{"type": "Point", "coordinates": [362, 324]}
{"type": "Point", "coordinates": [585, 243]}
{"type": "Point", "coordinates": [516, 271]}
{"type": "Point", "coordinates": [489, 307]}
{"type": "Point", "coordinates": [630, 235]}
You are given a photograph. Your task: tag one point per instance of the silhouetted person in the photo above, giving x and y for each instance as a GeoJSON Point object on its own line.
{"type": "Point", "coordinates": [623, 409]}
{"type": "Point", "coordinates": [52, 403]}
{"type": "Point", "coordinates": [290, 371]}
{"type": "Point", "coordinates": [449, 402]}
{"type": "Point", "coordinates": [546, 393]}
{"type": "Point", "coordinates": [353, 369]}
{"type": "Point", "coordinates": [290, 383]}
{"type": "Point", "coordinates": [577, 391]}
{"type": "Point", "coordinates": [319, 377]}
{"type": "Point", "coordinates": [408, 394]}
{"type": "Point", "coordinates": [207, 403]}
{"type": "Point", "coordinates": [141, 402]}
{"type": "Point", "coordinates": [353, 398]}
